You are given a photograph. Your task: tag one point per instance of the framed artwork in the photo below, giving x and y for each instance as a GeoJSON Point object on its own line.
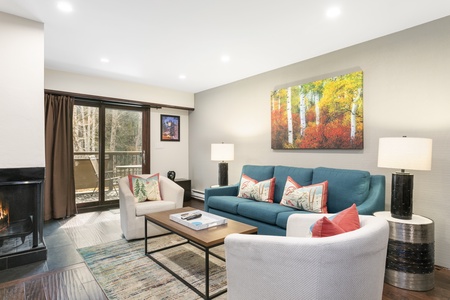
{"type": "Point", "coordinates": [170, 128]}
{"type": "Point", "coordinates": [322, 114]}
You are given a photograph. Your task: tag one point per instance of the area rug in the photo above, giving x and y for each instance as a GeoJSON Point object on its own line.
{"type": "Point", "coordinates": [124, 272]}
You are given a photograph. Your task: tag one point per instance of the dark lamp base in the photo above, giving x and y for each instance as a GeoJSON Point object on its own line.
{"type": "Point", "coordinates": [402, 196]}
{"type": "Point", "coordinates": [223, 174]}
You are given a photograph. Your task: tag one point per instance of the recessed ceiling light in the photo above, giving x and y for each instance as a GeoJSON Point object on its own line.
{"type": "Point", "coordinates": [333, 12]}
{"type": "Point", "coordinates": [225, 58]}
{"type": "Point", "coordinates": [182, 76]}
{"type": "Point", "coordinates": [104, 60]}
{"type": "Point", "coordinates": [65, 6]}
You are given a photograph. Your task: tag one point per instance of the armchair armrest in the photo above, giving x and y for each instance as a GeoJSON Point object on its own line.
{"type": "Point", "coordinates": [298, 225]}
{"type": "Point", "coordinates": [126, 203]}
{"type": "Point", "coordinates": [170, 191]}
{"type": "Point", "coordinates": [346, 266]}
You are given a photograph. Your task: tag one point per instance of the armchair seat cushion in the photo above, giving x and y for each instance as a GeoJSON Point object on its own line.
{"type": "Point", "coordinates": [146, 207]}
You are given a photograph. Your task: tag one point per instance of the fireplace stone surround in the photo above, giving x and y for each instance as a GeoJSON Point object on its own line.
{"type": "Point", "coordinates": [21, 216]}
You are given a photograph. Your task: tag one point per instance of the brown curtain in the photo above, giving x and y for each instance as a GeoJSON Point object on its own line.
{"type": "Point", "coordinates": [59, 172]}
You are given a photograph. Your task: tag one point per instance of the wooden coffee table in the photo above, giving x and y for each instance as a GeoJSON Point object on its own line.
{"type": "Point", "coordinates": [204, 239]}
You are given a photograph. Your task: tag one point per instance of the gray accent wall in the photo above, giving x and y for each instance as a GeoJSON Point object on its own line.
{"type": "Point", "coordinates": [406, 92]}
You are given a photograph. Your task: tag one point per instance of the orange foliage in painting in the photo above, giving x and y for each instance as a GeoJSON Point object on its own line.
{"type": "Point", "coordinates": [333, 114]}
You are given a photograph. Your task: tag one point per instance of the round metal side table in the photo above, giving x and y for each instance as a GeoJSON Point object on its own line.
{"type": "Point", "coordinates": [410, 254]}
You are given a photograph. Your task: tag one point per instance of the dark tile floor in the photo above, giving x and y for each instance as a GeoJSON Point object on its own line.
{"type": "Point", "coordinates": [63, 237]}
{"type": "Point", "coordinates": [61, 252]}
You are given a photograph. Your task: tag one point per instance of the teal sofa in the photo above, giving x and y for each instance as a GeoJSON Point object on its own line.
{"type": "Point", "coordinates": [345, 187]}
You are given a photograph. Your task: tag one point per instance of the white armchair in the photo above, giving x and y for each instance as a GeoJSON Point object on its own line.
{"type": "Point", "coordinates": [132, 213]}
{"type": "Point", "coordinates": [346, 266]}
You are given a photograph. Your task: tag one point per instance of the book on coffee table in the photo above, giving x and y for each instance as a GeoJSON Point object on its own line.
{"type": "Point", "coordinates": [197, 219]}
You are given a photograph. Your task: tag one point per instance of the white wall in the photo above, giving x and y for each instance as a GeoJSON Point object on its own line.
{"type": "Point", "coordinates": [21, 92]}
{"type": "Point", "coordinates": [170, 156]}
{"type": "Point", "coordinates": [76, 83]}
{"type": "Point", "coordinates": [164, 156]}
{"type": "Point", "coordinates": [405, 93]}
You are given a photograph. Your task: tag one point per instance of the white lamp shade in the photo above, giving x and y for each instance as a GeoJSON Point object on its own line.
{"type": "Point", "coordinates": [222, 152]}
{"type": "Point", "coordinates": [405, 153]}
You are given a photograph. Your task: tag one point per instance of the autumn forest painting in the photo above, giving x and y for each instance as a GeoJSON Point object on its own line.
{"type": "Point", "coordinates": [324, 114]}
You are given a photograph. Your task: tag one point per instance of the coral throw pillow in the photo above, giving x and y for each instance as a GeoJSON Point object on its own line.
{"type": "Point", "coordinates": [345, 221]}
{"type": "Point", "coordinates": [260, 191]}
{"type": "Point", "coordinates": [145, 187]}
{"type": "Point", "coordinates": [311, 198]}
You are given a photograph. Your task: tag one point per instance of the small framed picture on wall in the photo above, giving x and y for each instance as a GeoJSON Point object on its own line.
{"type": "Point", "coordinates": [170, 128]}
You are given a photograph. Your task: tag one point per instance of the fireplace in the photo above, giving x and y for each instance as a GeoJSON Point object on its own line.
{"type": "Point", "coordinates": [21, 217]}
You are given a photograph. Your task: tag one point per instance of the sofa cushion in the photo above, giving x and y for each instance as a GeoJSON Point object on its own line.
{"type": "Point", "coordinates": [345, 187]}
{"type": "Point", "coordinates": [258, 173]}
{"type": "Point", "coordinates": [226, 203]}
{"type": "Point", "coordinates": [256, 190]}
{"type": "Point", "coordinates": [261, 211]}
{"type": "Point", "coordinates": [311, 198]}
{"type": "Point", "coordinates": [302, 176]}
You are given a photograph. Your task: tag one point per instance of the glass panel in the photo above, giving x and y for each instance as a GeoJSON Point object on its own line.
{"type": "Point", "coordinates": [85, 147]}
{"type": "Point", "coordinates": [123, 147]}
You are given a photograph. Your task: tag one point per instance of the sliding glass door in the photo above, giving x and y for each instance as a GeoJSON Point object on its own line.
{"type": "Point", "coordinates": [110, 142]}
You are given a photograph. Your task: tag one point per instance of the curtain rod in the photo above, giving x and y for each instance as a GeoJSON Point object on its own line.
{"type": "Point", "coordinates": [116, 101]}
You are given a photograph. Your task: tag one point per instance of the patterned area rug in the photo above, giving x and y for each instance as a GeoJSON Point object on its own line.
{"type": "Point", "coordinates": [124, 272]}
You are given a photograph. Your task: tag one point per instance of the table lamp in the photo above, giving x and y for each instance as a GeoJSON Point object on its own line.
{"type": "Point", "coordinates": [403, 153]}
{"type": "Point", "coordinates": [222, 152]}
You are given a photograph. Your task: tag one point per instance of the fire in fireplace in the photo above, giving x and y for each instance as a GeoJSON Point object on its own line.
{"type": "Point", "coordinates": [4, 216]}
{"type": "Point", "coordinates": [21, 217]}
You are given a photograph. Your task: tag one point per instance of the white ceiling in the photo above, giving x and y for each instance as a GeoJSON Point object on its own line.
{"type": "Point", "coordinates": [155, 41]}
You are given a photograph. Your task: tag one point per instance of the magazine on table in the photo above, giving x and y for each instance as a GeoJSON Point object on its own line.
{"type": "Point", "coordinates": [197, 219]}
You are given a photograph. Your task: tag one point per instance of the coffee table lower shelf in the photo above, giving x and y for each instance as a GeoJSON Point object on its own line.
{"type": "Point", "coordinates": [205, 295]}
{"type": "Point", "coordinates": [202, 239]}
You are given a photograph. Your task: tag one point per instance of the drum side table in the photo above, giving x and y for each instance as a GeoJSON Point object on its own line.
{"type": "Point", "coordinates": [410, 254]}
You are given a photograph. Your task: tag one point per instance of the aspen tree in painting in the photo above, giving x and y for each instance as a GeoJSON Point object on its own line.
{"type": "Point", "coordinates": [324, 114]}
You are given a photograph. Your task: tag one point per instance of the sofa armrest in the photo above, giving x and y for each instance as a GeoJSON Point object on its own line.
{"type": "Point", "coordinates": [375, 201]}
{"type": "Point", "coordinates": [230, 190]}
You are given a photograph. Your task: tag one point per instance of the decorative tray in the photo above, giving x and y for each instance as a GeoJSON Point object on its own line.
{"type": "Point", "coordinates": [206, 220]}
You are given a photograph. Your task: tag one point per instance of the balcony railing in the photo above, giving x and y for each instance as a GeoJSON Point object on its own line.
{"type": "Point", "coordinates": [117, 164]}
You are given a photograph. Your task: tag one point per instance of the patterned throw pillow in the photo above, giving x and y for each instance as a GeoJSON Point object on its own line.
{"type": "Point", "coordinates": [260, 191]}
{"type": "Point", "coordinates": [145, 187]}
{"type": "Point", "coordinates": [311, 198]}
{"type": "Point", "coordinates": [345, 221]}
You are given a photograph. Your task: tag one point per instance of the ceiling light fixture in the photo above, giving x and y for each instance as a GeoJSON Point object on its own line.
{"type": "Point", "coordinates": [333, 12]}
{"type": "Point", "coordinates": [65, 7]}
{"type": "Point", "coordinates": [104, 60]}
{"type": "Point", "coordinates": [182, 77]}
{"type": "Point", "coordinates": [225, 58]}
